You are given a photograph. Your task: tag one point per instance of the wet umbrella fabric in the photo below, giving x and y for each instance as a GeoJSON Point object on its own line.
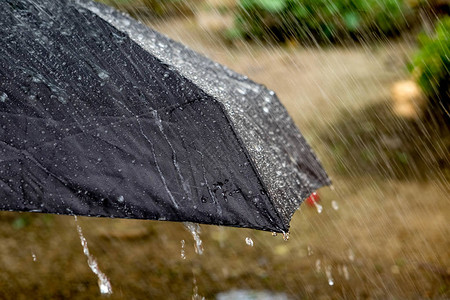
{"type": "Point", "coordinates": [102, 116]}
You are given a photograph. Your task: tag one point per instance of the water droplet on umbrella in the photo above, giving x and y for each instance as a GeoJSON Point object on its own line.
{"type": "Point", "coordinates": [3, 97]}
{"type": "Point", "coordinates": [120, 199]}
{"type": "Point", "coordinates": [103, 75]}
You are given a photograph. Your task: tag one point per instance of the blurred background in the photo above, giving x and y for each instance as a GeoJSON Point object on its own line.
{"type": "Point", "coordinates": [367, 83]}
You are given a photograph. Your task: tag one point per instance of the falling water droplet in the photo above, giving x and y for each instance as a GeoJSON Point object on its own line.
{"type": "Point", "coordinates": [351, 255]}
{"type": "Point", "coordinates": [286, 236]}
{"type": "Point", "coordinates": [345, 270]}
{"type": "Point", "coordinates": [329, 277]}
{"type": "Point", "coordinates": [310, 251]}
{"type": "Point", "coordinates": [249, 241]}
{"type": "Point", "coordinates": [183, 252]}
{"type": "Point", "coordinates": [195, 295]}
{"type": "Point", "coordinates": [33, 256]}
{"type": "Point", "coordinates": [334, 205]}
{"type": "Point", "coordinates": [103, 281]}
{"type": "Point", "coordinates": [195, 231]}
{"type": "Point", "coordinates": [274, 234]}
{"type": "Point", "coordinates": [318, 207]}
{"type": "Point", "coordinates": [318, 266]}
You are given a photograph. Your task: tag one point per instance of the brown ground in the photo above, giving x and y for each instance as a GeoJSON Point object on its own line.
{"type": "Point", "coordinates": [390, 176]}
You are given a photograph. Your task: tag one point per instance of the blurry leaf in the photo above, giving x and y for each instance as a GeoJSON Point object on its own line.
{"type": "Point", "coordinates": [332, 8]}
{"type": "Point", "coordinates": [272, 6]}
{"type": "Point", "coordinates": [430, 65]}
{"type": "Point", "coordinates": [234, 33]}
{"type": "Point", "coordinates": [351, 20]}
{"type": "Point", "coordinates": [402, 157]}
{"type": "Point", "coordinates": [300, 11]}
{"type": "Point", "coordinates": [20, 222]}
{"type": "Point", "coordinates": [247, 4]}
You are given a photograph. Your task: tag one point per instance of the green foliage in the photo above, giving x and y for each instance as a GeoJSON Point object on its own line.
{"type": "Point", "coordinates": [430, 66]}
{"type": "Point", "coordinates": [21, 222]}
{"type": "Point", "coordinates": [319, 20]}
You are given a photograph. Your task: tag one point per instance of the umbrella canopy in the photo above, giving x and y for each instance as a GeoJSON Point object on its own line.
{"type": "Point", "coordinates": [102, 116]}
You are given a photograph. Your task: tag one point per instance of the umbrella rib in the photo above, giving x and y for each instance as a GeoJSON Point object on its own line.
{"type": "Point", "coordinates": [245, 151]}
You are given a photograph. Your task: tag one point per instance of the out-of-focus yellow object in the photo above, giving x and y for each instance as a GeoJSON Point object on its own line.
{"type": "Point", "coordinates": [408, 99]}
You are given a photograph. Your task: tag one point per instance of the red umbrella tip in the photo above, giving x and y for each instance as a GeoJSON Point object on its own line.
{"type": "Point", "coordinates": [312, 199]}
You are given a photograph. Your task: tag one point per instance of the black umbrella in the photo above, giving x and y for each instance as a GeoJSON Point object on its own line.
{"type": "Point", "coordinates": [102, 116]}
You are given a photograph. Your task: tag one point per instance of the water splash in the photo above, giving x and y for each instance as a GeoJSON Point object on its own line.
{"type": "Point", "coordinates": [183, 252]}
{"type": "Point", "coordinates": [103, 281]}
{"type": "Point", "coordinates": [194, 228]}
{"type": "Point", "coordinates": [249, 241]}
